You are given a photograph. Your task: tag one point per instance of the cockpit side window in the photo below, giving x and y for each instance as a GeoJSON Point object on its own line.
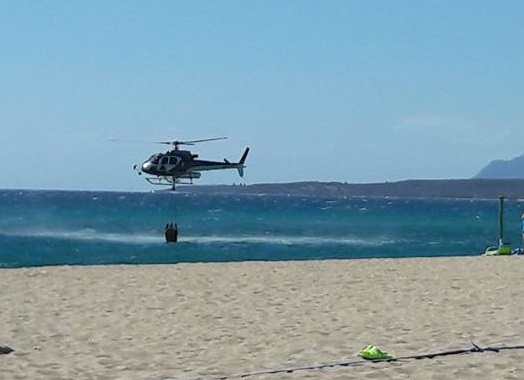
{"type": "Point", "coordinates": [163, 161]}
{"type": "Point", "coordinates": [173, 160]}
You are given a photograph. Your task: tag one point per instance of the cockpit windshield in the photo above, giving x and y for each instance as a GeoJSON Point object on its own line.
{"type": "Point", "coordinates": [155, 158]}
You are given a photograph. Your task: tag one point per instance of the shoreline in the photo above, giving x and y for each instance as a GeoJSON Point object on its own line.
{"type": "Point", "coordinates": [209, 320]}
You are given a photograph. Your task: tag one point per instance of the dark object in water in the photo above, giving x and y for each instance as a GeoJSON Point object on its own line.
{"type": "Point", "coordinates": [5, 350]}
{"type": "Point", "coordinates": [171, 233]}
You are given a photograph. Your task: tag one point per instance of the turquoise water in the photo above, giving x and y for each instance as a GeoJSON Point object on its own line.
{"type": "Point", "coordinates": [60, 227]}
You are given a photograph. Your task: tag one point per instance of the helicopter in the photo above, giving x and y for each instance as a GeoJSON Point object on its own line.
{"type": "Point", "coordinates": [182, 166]}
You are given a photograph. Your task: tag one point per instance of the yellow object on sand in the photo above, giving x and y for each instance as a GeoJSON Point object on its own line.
{"type": "Point", "coordinates": [373, 353]}
{"type": "Point", "coordinates": [502, 249]}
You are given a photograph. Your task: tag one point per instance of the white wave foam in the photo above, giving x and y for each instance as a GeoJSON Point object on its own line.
{"type": "Point", "coordinates": [284, 240]}
{"type": "Point", "coordinates": [155, 238]}
{"type": "Point", "coordinates": [90, 235]}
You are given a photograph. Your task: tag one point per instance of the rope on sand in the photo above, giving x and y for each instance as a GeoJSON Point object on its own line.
{"type": "Point", "coordinates": [474, 349]}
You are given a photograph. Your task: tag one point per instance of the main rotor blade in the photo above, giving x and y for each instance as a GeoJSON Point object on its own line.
{"type": "Point", "coordinates": [212, 139]}
{"type": "Point", "coordinates": [189, 142]}
{"type": "Point", "coordinates": [170, 142]}
{"type": "Point", "coordinates": [175, 142]}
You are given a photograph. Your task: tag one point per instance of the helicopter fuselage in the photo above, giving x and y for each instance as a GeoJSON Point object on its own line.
{"type": "Point", "coordinates": [182, 166]}
{"type": "Point", "coordinates": [179, 162]}
{"type": "Point", "coordinates": [176, 165]}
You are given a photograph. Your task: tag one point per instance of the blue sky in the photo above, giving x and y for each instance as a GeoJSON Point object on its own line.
{"type": "Point", "coordinates": [350, 91]}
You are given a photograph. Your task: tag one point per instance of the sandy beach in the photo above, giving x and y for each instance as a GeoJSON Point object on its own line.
{"type": "Point", "coordinates": [205, 321]}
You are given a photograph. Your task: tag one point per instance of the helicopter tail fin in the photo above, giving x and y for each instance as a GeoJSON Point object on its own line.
{"type": "Point", "coordinates": [241, 166]}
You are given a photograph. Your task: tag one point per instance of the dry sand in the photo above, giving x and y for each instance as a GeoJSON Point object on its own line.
{"type": "Point", "coordinates": [208, 320]}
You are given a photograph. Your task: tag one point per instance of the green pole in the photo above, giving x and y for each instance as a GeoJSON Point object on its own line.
{"type": "Point", "coordinates": [501, 219]}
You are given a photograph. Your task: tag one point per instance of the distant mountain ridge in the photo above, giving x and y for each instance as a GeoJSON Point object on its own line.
{"type": "Point", "coordinates": [445, 188]}
{"type": "Point", "coordinates": [503, 169]}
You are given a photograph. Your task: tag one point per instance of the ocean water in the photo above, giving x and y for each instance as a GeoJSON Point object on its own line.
{"type": "Point", "coordinates": [72, 227]}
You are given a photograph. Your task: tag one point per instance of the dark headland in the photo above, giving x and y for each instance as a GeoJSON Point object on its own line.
{"type": "Point", "coordinates": [442, 188]}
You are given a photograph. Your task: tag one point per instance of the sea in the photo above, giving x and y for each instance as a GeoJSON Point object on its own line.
{"type": "Point", "coordinates": [40, 228]}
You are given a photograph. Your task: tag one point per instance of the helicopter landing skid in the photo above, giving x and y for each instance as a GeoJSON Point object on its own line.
{"type": "Point", "coordinates": [164, 181]}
